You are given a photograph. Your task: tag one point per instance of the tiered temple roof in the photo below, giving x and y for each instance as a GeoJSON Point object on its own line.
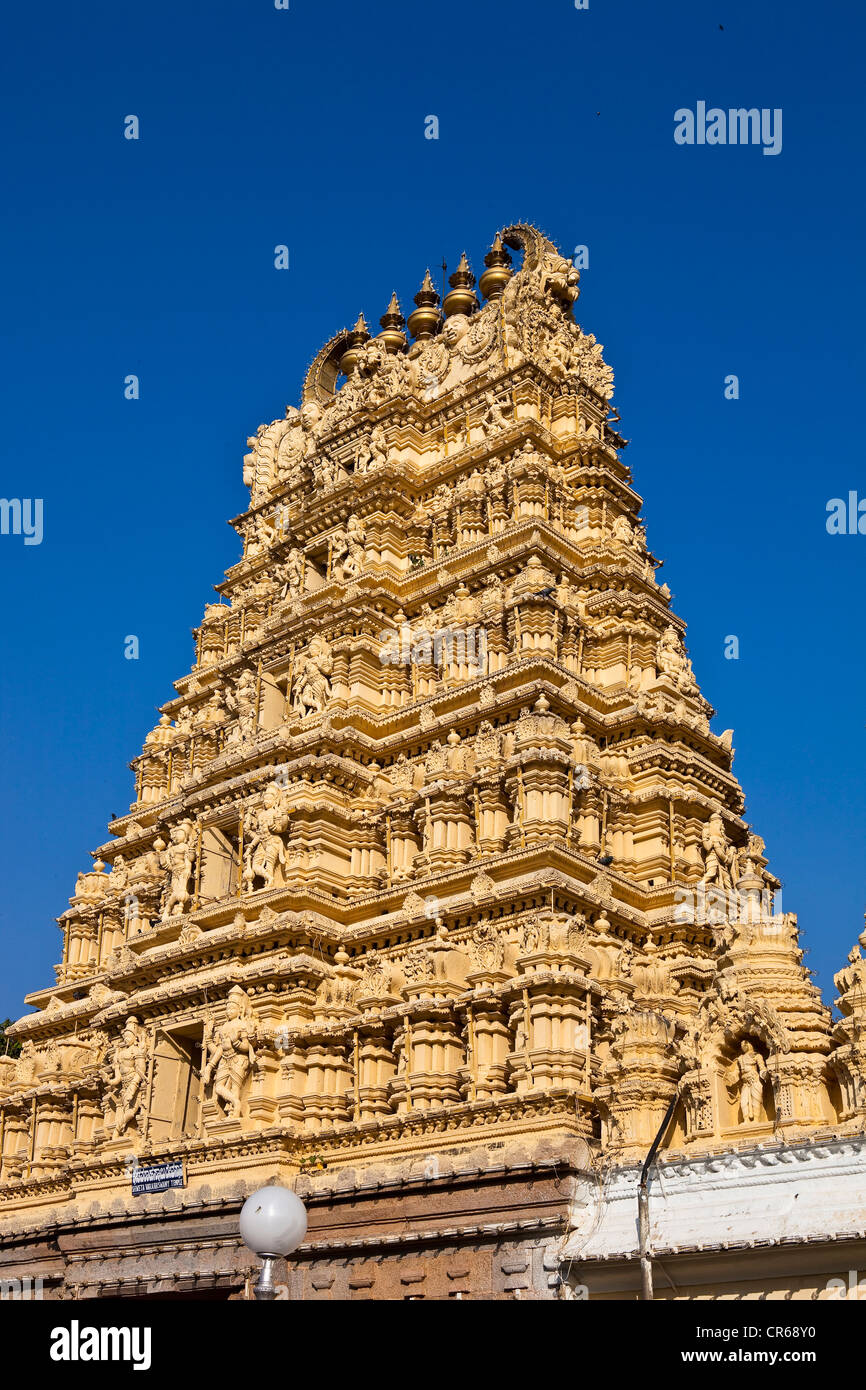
{"type": "Point", "coordinates": [434, 845]}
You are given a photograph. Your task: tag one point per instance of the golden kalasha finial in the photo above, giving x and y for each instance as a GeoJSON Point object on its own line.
{"type": "Point", "coordinates": [498, 273]}
{"type": "Point", "coordinates": [461, 298]}
{"type": "Point", "coordinates": [359, 335]}
{"type": "Point", "coordinates": [393, 324]}
{"type": "Point", "coordinates": [426, 319]}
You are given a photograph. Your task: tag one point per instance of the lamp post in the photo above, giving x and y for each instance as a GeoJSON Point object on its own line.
{"type": "Point", "coordinates": [273, 1224]}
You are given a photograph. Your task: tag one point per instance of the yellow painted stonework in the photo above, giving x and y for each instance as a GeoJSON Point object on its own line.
{"type": "Point", "coordinates": [434, 847]}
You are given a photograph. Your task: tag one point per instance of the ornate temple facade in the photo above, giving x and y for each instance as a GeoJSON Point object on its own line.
{"type": "Point", "coordinates": [436, 888]}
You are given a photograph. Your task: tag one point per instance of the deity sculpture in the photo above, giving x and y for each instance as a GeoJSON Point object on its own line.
{"type": "Point", "coordinates": [329, 473]}
{"type": "Point", "coordinates": [652, 979]}
{"type": "Point", "coordinates": [261, 533]}
{"type": "Point", "coordinates": [26, 1063]}
{"type": "Point", "coordinates": [347, 549]}
{"type": "Point", "coordinates": [372, 451]}
{"type": "Point", "coordinates": [672, 661]}
{"type": "Point", "coordinates": [312, 688]}
{"type": "Point", "coordinates": [625, 532]}
{"type": "Point", "coordinates": [126, 1075]}
{"type": "Point", "coordinates": [251, 459]}
{"type": "Point", "coordinates": [293, 573]}
{"type": "Point", "coordinates": [748, 860]}
{"type": "Point", "coordinates": [211, 713]}
{"type": "Point", "coordinates": [719, 855]}
{"type": "Point", "coordinates": [241, 703]}
{"type": "Point", "coordinates": [356, 537]}
{"type": "Point", "coordinates": [183, 721]}
{"type": "Point", "coordinates": [379, 375]}
{"type": "Point", "coordinates": [575, 934]}
{"type": "Point", "coordinates": [435, 760]}
{"type": "Point", "coordinates": [297, 444]}
{"type": "Point", "coordinates": [260, 472]}
{"type": "Point", "coordinates": [230, 1053]}
{"type": "Point", "coordinates": [265, 848]}
{"type": "Point", "coordinates": [119, 875]}
{"type": "Point", "coordinates": [417, 965]}
{"type": "Point", "coordinates": [535, 935]}
{"type": "Point", "coordinates": [750, 1075]}
{"type": "Point", "coordinates": [177, 857]}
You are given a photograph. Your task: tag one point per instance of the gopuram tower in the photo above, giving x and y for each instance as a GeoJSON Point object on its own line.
{"type": "Point", "coordinates": [436, 890]}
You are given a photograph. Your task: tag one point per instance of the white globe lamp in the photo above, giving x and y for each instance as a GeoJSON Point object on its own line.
{"type": "Point", "coordinates": [273, 1224]}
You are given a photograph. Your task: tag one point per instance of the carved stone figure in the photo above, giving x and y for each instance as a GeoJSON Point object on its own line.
{"type": "Point", "coordinates": [672, 661]}
{"type": "Point", "coordinates": [589, 364]}
{"type": "Point", "coordinates": [628, 534]}
{"type": "Point", "coordinates": [748, 861]}
{"type": "Point", "coordinates": [720, 856]}
{"type": "Point", "coordinates": [261, 534]}
{"type": "Point", "coordinates": [260, 465]}
{"type": "Point", "coordinates": [293, 574]}
{"type": "Point", "coordinates": [177, 858]}
{"type": "Point", "coordinates": [575, 934]}
{"type": "Point", "coordinates": [379, 375]}
{"type": "Point", "coordinates": [211, 713]}
{"type": "Point", "coordinates": [312, 687]}
{"type": "Point", "coordinates": [126, 1076]}
{"type": "Point", "coordinates": [372, 451]}
{"type": "Point", "coordinates": [559, 277]}
{"type": "Point", "coordinates": [265, 848]}
{"type": "Point", "coordinates": [119, 876]}
{"type": "Point", "coordinates": [25, 1064]}
{"type": "Point", "coordinates": [418, 965]}
{"type": "Point", "coordinates": [230, 1054]}
{"type": "Point", "coordinates": [535, 935]}
{"type": "Point", "coordinates": [455, 331]}
{"type": "Point", "coordinates": [241, 704]}
{"type": "Point", "coordinates": [297, 443]}
{"type": "Point", "coordinates": [750, 1076]}
{"type": "Point", "coordinates": [350, 561]}
{"type": "Point", "coordinates": [435, 760]}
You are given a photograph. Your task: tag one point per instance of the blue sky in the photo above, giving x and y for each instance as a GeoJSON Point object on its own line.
{"type": "Point", "coordinates": [305, 127]}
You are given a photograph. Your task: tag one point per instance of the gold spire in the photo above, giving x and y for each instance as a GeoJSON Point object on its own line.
{"type": "Point", "coordinates": [393, 324]}
{"type": "Point", "coordinates": [359, 335]}
{"type": "Point", "coordinates": [426, 319]}
{"type": "Point", "coordinates": [461, 298]}
{"type": "Point", "coordinates": [498, 273]}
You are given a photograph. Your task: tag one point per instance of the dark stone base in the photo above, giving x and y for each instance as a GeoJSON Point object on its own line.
{"type": "Point", "coordinates": [489, 1234]}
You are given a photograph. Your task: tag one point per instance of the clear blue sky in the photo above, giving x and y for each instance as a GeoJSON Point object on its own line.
{"type": "Point", "coordinates": [306, 127]}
